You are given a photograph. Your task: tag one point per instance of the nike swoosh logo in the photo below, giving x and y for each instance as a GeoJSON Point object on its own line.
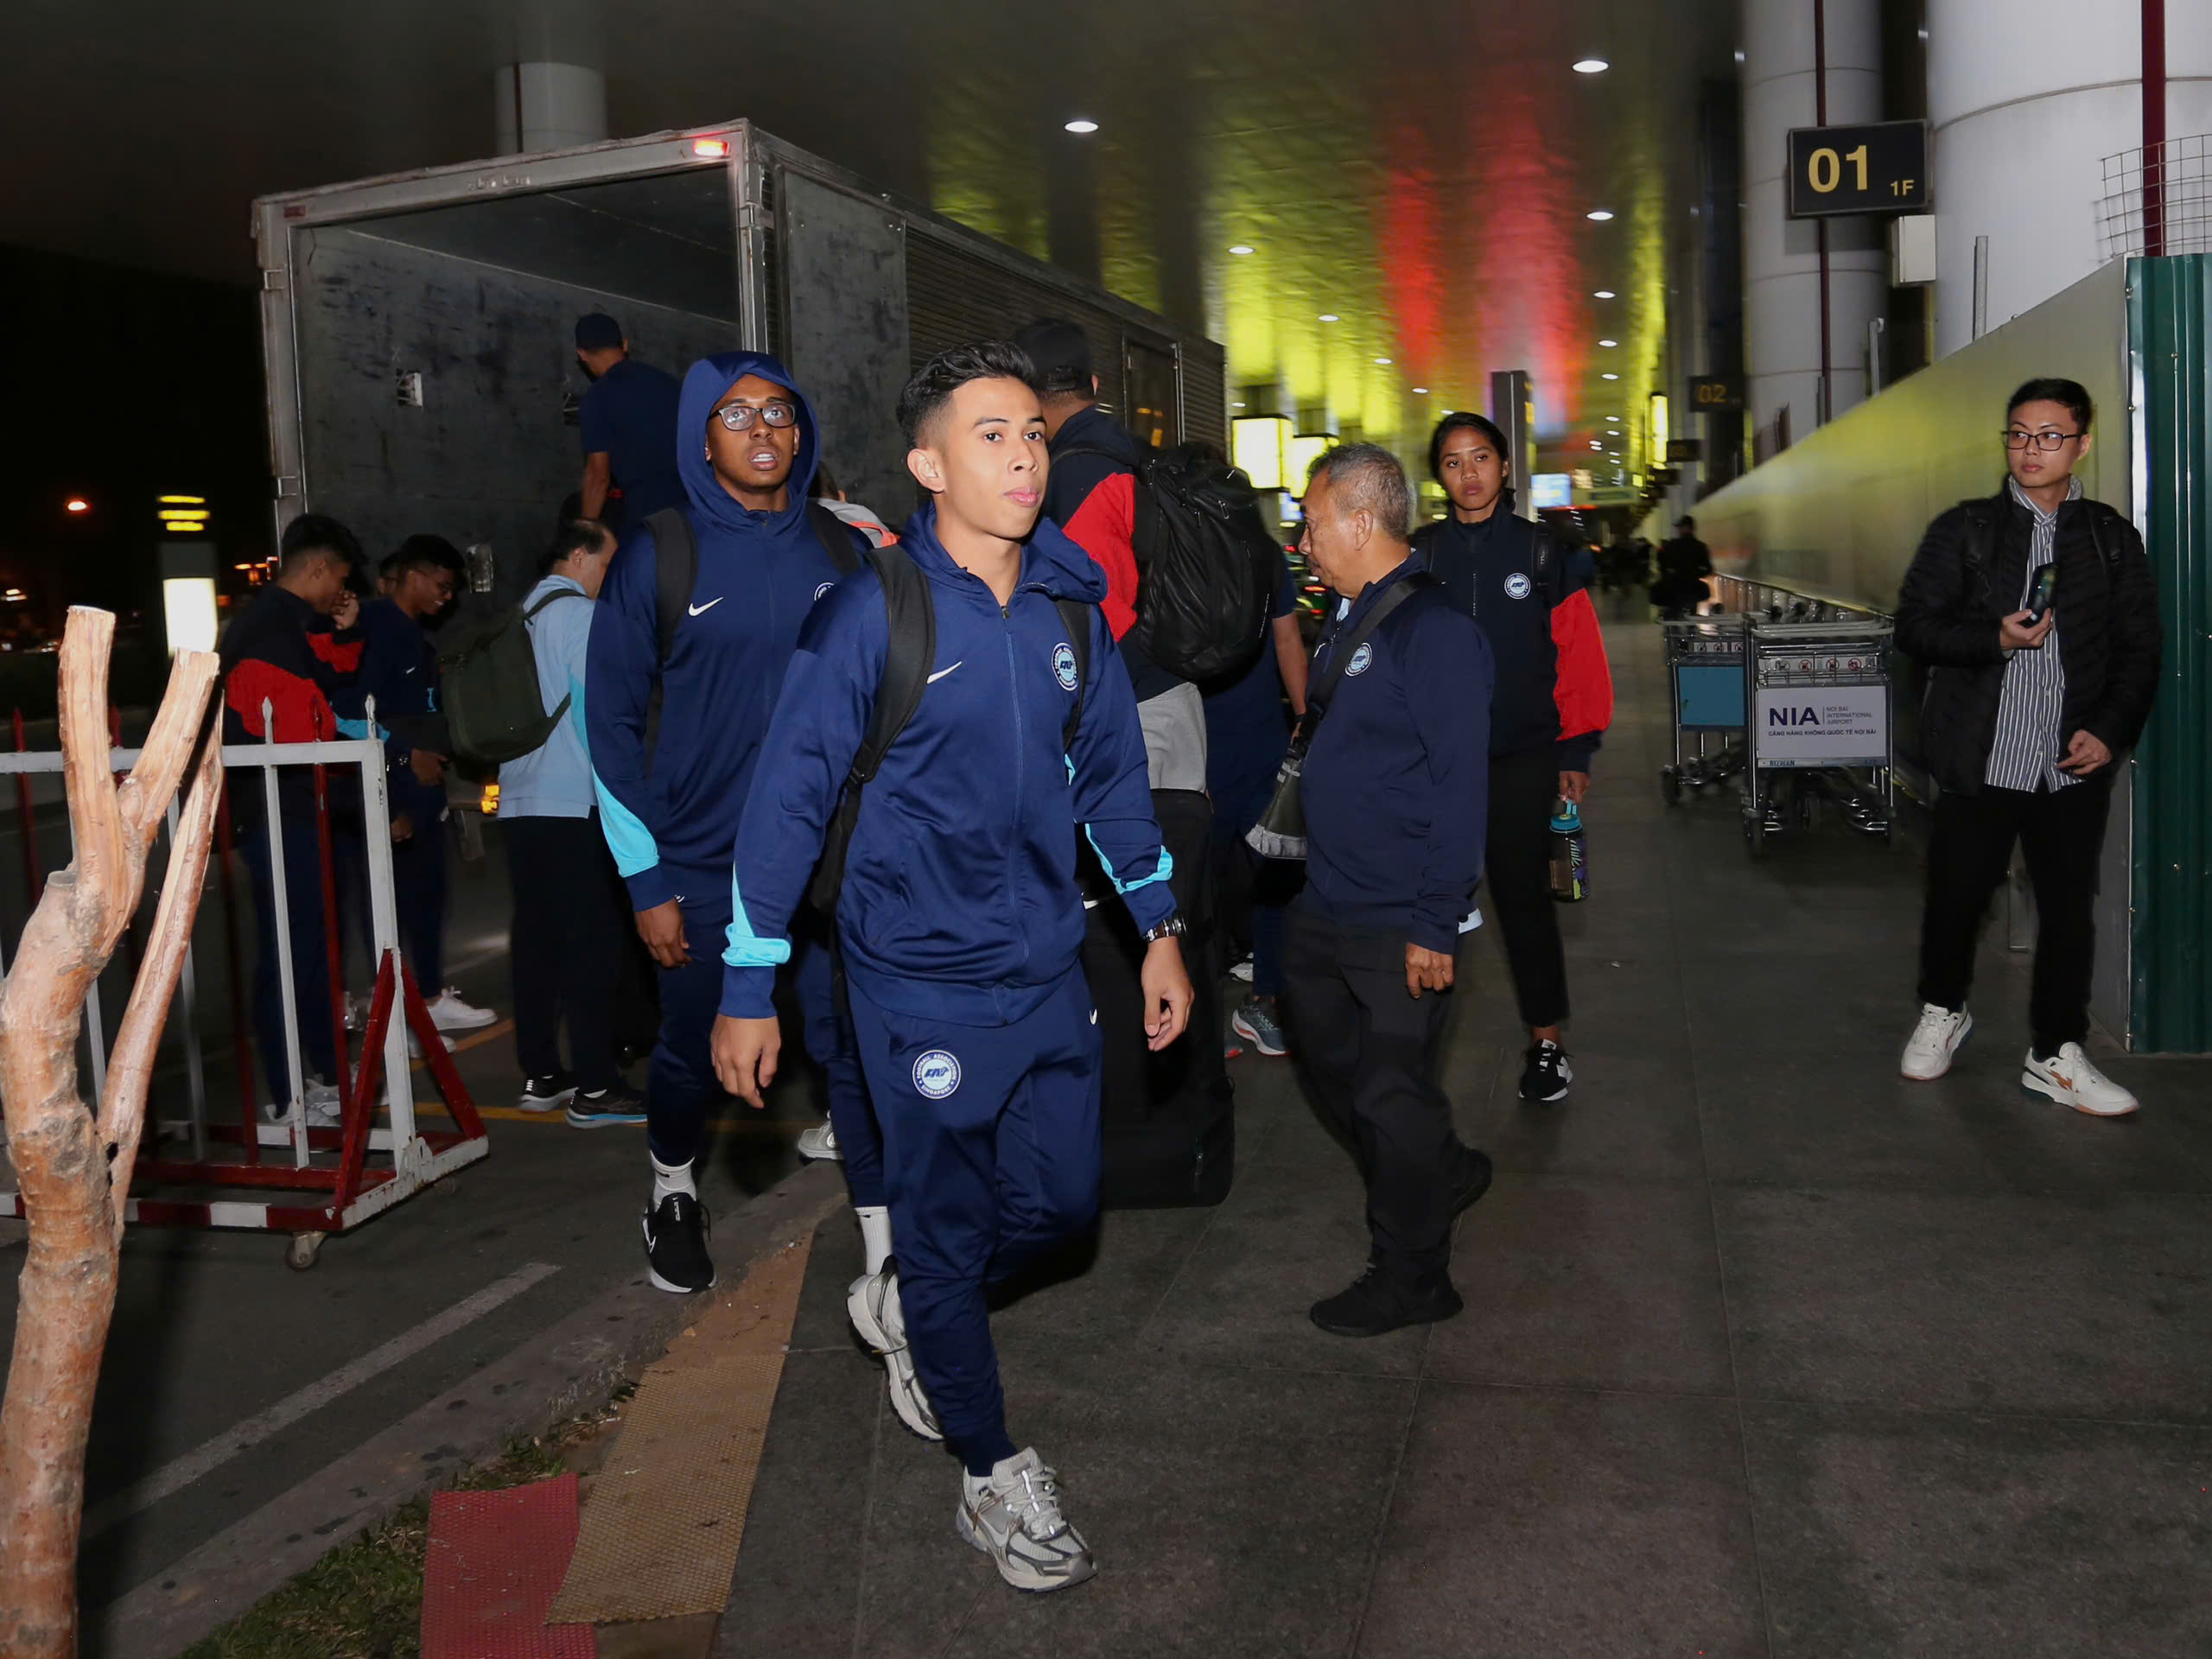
{"type": "Point", "coordinates": [701, 610]}
{"type": "Point", "coordinates": [941, 673]}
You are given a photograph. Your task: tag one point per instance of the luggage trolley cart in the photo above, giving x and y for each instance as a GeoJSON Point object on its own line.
{"type": "Point", "coordinates": [1818, 696]}
{"type": "Point", "coordinates": [1705, 672]}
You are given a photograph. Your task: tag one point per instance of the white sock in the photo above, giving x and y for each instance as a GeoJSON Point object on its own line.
{"type": "Point", "coordinates": [875, 1235]}
{"type": "Point", "coordinates": [671, 1178]}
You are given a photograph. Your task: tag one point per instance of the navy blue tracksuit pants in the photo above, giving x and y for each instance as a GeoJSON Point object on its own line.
{"type": "Point", "coordinates": [310, 951]}
{"type": "Point", "coordinates": [991, 1155]}
{"type": "Point", "coordinates": [680, 1088]}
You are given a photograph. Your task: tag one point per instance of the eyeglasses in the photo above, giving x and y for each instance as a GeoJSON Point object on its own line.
{"type": "Point", "coordinates": [740, 417]}
{"type": "Point", "coordinates": [2015, 439]}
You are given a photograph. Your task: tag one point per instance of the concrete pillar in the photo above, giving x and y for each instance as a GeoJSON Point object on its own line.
{"type": "Point", "coordinates": [543, 105]}
{"type": "Point", "coordinates": [1781, 256]}
{"type": "Point", "coordinates": [2024, 115]}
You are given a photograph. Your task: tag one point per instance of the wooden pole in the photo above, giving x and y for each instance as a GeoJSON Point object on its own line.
{"type": "Point", "coordinates": [74, 1165]}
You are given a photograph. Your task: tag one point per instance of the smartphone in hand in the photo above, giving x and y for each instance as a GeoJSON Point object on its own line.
{"type": "Point", "coordinates": [2039, 596]}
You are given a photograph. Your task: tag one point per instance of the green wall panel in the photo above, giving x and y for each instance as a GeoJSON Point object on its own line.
{"type": "Point", "coordinates": [2169, 312]}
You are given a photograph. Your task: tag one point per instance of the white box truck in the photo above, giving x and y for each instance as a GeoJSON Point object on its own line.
{"type": "Point", "coordinates": [416, 329]}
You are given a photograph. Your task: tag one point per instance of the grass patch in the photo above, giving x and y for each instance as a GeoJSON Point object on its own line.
{"type": "Point", "coordinates": [363, 1601]}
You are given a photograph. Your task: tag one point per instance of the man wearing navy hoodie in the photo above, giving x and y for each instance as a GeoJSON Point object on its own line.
{"type": "Point", "coordinates": [748, 449]}
{"type": "Point", "coordinates": [959, 915]}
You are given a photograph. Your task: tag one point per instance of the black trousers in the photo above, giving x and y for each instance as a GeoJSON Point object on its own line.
{"type": "Point", "coordinates": [1517, 881]}
{"type": "Point", "coordinates": [1370, 1050]}
{"type": "Point", "coordinates": [1970, 848]}
{"type": "Point", "coordinates": [566, 944]}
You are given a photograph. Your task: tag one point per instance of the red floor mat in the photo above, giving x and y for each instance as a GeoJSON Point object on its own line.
{"type": "Point", "coordinates": [496, 1559]}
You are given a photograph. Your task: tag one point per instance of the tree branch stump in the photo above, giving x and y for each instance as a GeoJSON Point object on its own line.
{"type": "Point", "coordinates": [73, 1164]}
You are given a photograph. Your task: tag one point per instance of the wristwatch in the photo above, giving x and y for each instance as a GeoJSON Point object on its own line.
{"type": "Point", "coordinates": [1173, 928]}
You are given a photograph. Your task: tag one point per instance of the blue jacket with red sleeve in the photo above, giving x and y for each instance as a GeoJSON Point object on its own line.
{"type": "Point", "coordinates": [1554, 684]}
{"type": "Point", "coordinates": [959, 899]}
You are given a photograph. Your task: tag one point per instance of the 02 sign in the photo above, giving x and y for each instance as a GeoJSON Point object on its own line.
{"type": "Point", "coordinates": [1881, 169]}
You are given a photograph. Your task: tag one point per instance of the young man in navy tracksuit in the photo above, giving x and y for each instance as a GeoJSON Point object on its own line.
{"type": "Point", "coordinates": [959, 917]}
{"type": "Point", "coordinates": [1395, 786]}
{"type": "Point", "coordinates": [748, 447]}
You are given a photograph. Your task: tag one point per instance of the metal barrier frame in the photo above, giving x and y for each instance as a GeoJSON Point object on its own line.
{"type": "Point", "coordinates": [1834, 653]}
{"type": "Point", "coordinates": [350, 1191]}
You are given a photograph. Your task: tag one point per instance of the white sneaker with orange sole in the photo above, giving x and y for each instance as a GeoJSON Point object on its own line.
{"type": "Point", "coordinates": [2068, 1078]}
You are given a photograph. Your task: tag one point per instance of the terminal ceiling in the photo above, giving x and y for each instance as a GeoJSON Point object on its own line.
{"type": "Point", "coordinates": [1421, 170]}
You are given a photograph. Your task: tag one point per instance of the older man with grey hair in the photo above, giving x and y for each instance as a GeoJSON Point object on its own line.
{"type": "Point", "coordinates": [1396, 774]}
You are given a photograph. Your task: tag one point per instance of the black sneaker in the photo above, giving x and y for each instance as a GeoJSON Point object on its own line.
{"type": "Point", "coordinates": [1547, 1074]}
{"type": "Point", "coordinates": [1375, 1305]}
{"type": "Point", "coordinates": [676, 1245]}
{"type": "Point", "coordinates": [616, 1104]}
{"type": "Point", "coordinates": [549, 1093]}
{"type": "Point", "coordinates": [1474, 1181]}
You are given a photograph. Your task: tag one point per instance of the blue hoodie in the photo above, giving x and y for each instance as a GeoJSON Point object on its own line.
{"type": "Point", "coordinates": [960, 899]}
{"type": "Point", "coordinates": [670, 817]}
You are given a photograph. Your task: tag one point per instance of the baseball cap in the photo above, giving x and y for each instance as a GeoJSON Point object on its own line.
{"type": "Point", "coordinates": [597, 332]}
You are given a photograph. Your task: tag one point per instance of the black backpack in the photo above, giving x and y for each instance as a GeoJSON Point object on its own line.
{"type": "Point", "coordinates": [906, 665]}
{"type": "Point", "coordinates": [1205, 564]}
{"type": "Point", "coordinates": [488, 689]}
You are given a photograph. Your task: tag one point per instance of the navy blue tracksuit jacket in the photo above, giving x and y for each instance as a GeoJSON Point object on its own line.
{"type": "Point", "coordinates": [1397, 779]}
{"type": "Point", "coordinates": [960, 923]}
{"type": "Point", "coordinates": [671, 814]}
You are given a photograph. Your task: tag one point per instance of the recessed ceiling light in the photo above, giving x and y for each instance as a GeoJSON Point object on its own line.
{"type": "Point", "coordinates": [1081, 125]}
{"type": "Point", "coordinates": [1241, 248]}
{"type": "Point", "coordinates": [1594, 444]}
{"type": "Point", "coordinates": [1591, 66]}
{"type": "Point", "coordinates": [1614, 418]}
{"type": "Point", "coordinates": [1610, 375]}
{"type": "Point", "coordinates": [1421, 391]}
{"type": "Point", "coordinates": [1330, 316]}
{"type": "Point", "coordinates": [1382, 362]}
{"type": "Point", "coordinates": [1739, 57]}
{"type": "Point", "coordinates": [1236, 405]}
{"type": "Point", "coordinates": [1609, 342]}
{"type": "Point", "coordinates": [1599, 214]}
{"type": "Point", "coordinates": [1603, 294]}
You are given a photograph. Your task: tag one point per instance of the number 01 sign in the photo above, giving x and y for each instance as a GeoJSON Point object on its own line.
{"type": "Point", "coordinates": [1881, 169]}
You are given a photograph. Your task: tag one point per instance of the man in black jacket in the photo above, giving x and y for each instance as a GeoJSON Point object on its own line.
{"type": "Point", "coordinates": [2036, 685]}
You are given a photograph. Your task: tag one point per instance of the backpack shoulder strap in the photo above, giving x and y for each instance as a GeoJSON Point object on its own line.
{"type": "Point", "coordinates": [1343, 651]}
{"type": "Point", "coordinates": [676, 553]}
{"type": "Point", "coordinates": [1981, 534]}
{"type": "Point", "coordinates": [906, 662]}
{"type": "Point", "coordinates": [558, 593]}
{"type": "Point", "coordinates": [837, 540]}
{"type": "Point", "coordinates": [2104, 519]}
{"type": "Point", "coordinates": [1076, 615]}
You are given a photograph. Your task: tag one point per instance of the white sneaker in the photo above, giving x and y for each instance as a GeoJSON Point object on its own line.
{"type": "Point", "coordinates": [1242, 970]}
{"type": "Point", "coordinates": [820, 1141]}
{"type": "Point", "coordinates": [2068, 1078]}
{"type": "Point", "coordinates": [1927, 1051]}
{"type": "Point", "coordinates": [873, 1306]}
{"type": "Point", "coordinates": [322, 1108]}
{"type": "Point", "coordinates": [1014, 1518]}
{"type": "Point", "coordinates": [449, 1013]}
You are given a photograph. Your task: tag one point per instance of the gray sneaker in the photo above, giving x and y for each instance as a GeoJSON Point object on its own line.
{"type": "Point", "coordinates": [1014, 1518]}
{"type": "Point", "coordinates": [1255, 1021]}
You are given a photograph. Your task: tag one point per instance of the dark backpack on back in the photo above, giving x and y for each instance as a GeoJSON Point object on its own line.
{"type": "Point", "coordinates": [677, 553]}
{"type": "Point", "coordinates": [488, 688]}
{"type": "Point", "coordinates": [1205, 564]}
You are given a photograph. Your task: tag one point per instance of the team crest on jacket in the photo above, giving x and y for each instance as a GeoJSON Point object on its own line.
{"type": "Point", "coordinates": [1360, 659]}
{"type": "Point", "coordinates": [937, 1074]}
{"type": "Point", "coordinates": [1064, 668]}
{"type": "Point", "coordinates": [823, 590]}
{"type": "Point", "coordinates": [1516, 586]}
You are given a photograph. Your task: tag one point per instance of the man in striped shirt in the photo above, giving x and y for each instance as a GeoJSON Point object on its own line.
{"type": "Point", "coordinates": [2034, 613]}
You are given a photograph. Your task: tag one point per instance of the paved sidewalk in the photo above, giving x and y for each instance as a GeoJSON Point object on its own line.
{"type": "Point", "coordinates": [1765, 1352]}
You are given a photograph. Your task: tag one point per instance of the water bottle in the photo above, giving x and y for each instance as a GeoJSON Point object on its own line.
{"type": "Point", "coordinates": [1570, 854]}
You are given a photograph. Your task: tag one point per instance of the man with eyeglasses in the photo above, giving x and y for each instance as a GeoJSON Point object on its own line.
{"type": "Point", "coordinates": [2036, 617]}
{"type": "Point", "coordinates": [694, 627]}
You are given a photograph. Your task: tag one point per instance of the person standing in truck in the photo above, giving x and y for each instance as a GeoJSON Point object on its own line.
{"type": "Point", "coordinates": [763, 558]}
{"type": "Point", "coordinates": [628, 427]}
